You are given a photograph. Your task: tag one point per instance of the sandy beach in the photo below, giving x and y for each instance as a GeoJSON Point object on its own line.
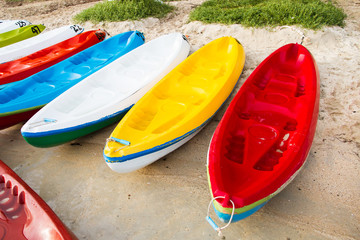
{"type": "Point", "coordinates": [169, 198]}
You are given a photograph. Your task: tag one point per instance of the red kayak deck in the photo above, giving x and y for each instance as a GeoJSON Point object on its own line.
{"type": "Point", "coordinates": [23, 214]}
{"type": "Point", "coordinates": [24, 67]}
{"type": "Point", "coordinates": [266, 133]}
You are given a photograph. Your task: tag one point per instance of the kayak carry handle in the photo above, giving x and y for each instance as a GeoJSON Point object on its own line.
{"type": "Point", "coordinates": [118, 140]}
{"type": "Point", "coordinates": [42, 122]}
{"type": "Point", "coordinates": [212, 223]}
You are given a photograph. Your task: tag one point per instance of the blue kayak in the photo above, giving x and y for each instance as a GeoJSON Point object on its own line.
{"type": "Point", "coordinates": [20, 100]}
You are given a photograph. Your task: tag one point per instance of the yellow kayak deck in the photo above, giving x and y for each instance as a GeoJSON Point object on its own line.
{"type": "Point", "coordinates": [182, 101]}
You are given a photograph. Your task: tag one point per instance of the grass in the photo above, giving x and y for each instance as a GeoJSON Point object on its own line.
{"type": "Point", "coordinates": [121, 10]}
{"type": "Point", "coordinates": [311, 14]}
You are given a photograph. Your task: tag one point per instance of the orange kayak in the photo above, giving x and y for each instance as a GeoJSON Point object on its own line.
{"type": "Point", "coordinates": [24, 67]}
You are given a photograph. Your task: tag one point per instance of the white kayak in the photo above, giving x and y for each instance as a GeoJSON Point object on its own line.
{"type": "Point", "coordinates": [8, 25]}
{"type": "Point", "coordinates": [39, 42]}
{"type": "Point", "coordinates": [105, 96]}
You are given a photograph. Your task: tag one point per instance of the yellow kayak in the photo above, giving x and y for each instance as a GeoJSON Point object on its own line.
{"type": "Point", "coordinates": [177, 107]}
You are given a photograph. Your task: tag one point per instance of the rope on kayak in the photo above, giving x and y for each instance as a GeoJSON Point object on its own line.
{"type": "Point", "coordinates": [121, 141]}
{"type": "Point", "coordinates": [296, 30]}
{"type": "Point", "coordinates": [212, 223]}
{"type": "Point", "coordinates": [45, 121]}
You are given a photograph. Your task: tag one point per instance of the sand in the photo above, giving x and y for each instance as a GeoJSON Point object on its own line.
{"type": "Point", "coordinates": [168, 199]}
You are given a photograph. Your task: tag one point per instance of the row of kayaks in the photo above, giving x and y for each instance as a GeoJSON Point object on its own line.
{"type": "Point", "coordinates": [12, 31]}
{"type": "Point", "coordinates": [163, 97]}
{"type": "Point", "coordinates": [27, 57]}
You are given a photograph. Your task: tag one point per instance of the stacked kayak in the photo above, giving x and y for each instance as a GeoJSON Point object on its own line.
{"type": "Point", "coordinates": [266, 133]}
{"type": "Point", "coordinates": [105, 96]}
{"type": "Point", "coordinates": [20, 100]}
{"type": "Point", "coordinates": [177, 107]}
{"type": "Point", "coordinates": [24, 215]}
{"type": "Point", "coordinates": [19, 34]}
{"type": "Point", "coordinates": [8, 25]}
{"type": "Point", "coordinates": [24, 67]}
{"type": "Point", "coordinates": [34, 44]}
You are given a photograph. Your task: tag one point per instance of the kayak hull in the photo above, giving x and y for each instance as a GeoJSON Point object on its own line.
{"type": "Point", "coordinates": [57, 137]}
{"type": "Point", "coordinates": [10, 120]}
{"type": "Point", "coordinates": [264, 137]}
{"type": "Point", "coordinates": [225, 216]}
{"type": "Point", "coordinates": [145, 158]}
{"type": "Point", "coordinates": [24, 214]}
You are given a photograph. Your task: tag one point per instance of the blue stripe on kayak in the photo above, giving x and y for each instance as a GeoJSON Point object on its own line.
{"type": "Point", "coordinates": [225, 217]}
{"type": "Point", "coordinates": [154, 149]}
{"type": "Point", "coordinates": [70, 129]}
{"type": "Point", "coordinates": [167, 144]}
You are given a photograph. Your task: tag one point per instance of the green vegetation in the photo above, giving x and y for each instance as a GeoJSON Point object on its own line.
{"type": "Point", "coordinates": [121, 10]}
{"type": "Point", "coordinates": [259, 13]}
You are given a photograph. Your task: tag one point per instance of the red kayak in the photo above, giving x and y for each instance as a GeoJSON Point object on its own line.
{"type": "Point", "coordinates": [266, 133]}
{"type": "Point", "coordinates": [24, 215]}
{"type": "Point", "coordinates": [24, 67]}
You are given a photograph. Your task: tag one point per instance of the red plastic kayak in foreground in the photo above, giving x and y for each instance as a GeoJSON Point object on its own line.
{"type": "Point", "coordinates": [24, 67]}
{"type": "Point", "coordinates": [23, 214]}
{"type": "Point", "coordinates": [266, 133]}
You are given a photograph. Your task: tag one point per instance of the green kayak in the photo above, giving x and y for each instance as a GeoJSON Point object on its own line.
{"type": "Point", "coordinates": [20, 34]}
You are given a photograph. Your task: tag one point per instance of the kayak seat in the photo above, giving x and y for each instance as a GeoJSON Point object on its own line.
{"type": "Point", "coordinates": [144, 116]}
{"type": "Point", "coordinates": [151, 60]}
{"type": "Point", "coordinates": [183, 89]}
{"type": "Point", "coordinates": [190, 95]}
{"type": "Point", "coordinates": [160, 93]}
{"type": "Point", "coordinates": [168, 115]}
{"type": "Point", "coordinates": [272, 157]}
{"type": "Point", "coordinates": [68, 105]}
{"type": "Point", "coordinates": [235, 148]}
{"type": "Point", "coordinates": [268, 131]}
{"type": "Point", "coordinates": [8, 95]}
{"type": "Point", "coordinates": [65, 77]}
{"type": "Point", "coordinates": [12, 206]}
{"type": "Point", "coordinates": [93, 100]}
{"type": "Point", "coordinates": [38, 78]}
{"type": "Point", "coordinates": [101, 57]}
{"type": "Point", "coordinates": [283, 83]}
{"type": "Point", "coordinates": [81, 70]}
{"type": "Point", "coordinates": [79, 58]}
{"type": "Point", "coordinates": [262, 79]}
